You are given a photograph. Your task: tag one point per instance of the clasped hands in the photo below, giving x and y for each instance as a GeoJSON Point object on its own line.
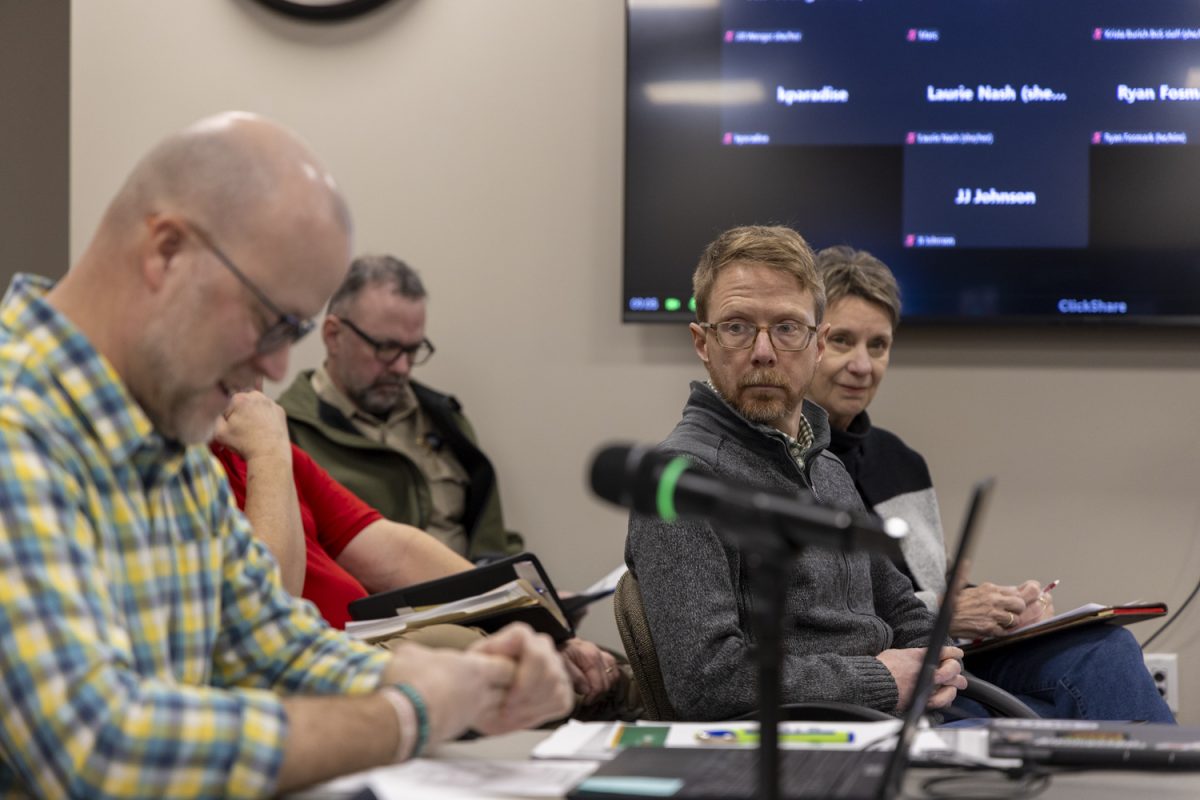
{"type": "Point", "coordinates": [512, 680]}
{"type": "Point", "coordinates": [905, 666]}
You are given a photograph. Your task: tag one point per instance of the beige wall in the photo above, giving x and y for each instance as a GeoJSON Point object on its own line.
{"type": "Point", "coordinates": [482, 140]}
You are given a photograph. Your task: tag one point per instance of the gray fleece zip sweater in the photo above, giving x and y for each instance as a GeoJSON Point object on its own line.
{"type": "Point", "coordinates": [841, 609]}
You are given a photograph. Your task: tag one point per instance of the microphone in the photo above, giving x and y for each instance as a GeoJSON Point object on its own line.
{"type": "Point", "coordinates": [669, 487]}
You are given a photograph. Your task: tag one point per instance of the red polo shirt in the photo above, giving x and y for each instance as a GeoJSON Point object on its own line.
{"type": "Point", "coordinates": [331, 516]}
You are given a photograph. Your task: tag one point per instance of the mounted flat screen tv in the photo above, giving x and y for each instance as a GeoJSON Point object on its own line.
{"type": "Point", "coordinates": [1011, 160]}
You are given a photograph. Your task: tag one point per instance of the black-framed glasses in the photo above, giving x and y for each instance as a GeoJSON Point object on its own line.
{"type": "Point", "coordinates": [388, 351]}
{"type": "Point", "coordinates": [736, 334]}
{"type": "Point", "coordinates": [287, 329]}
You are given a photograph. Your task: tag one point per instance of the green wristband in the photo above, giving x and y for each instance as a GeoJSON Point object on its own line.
{"type": "Point", "coordinates": [418, 704]}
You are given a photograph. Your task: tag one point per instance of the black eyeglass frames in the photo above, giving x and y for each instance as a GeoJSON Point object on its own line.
{"type": "Point", "coordinates": [388, 351]}
{"type": "Point", "coordinates": [287, 329]}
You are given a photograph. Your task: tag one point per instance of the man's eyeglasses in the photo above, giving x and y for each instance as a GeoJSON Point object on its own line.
{"type": "Point", "coordinates": [287, 329]}
{"type": "Point", "coordinates": [388, 352]}
{"type": "Point", "coordinates": [737, 334]}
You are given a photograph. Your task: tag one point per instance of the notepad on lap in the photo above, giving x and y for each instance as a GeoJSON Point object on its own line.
{"type": "Point", "coordinates": [1090, 614]}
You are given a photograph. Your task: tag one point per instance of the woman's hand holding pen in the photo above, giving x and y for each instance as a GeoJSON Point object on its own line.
{"type": "Point", "coordinates": [1039, 605]}
{"type": "Point", "coordinates": [989, 610]}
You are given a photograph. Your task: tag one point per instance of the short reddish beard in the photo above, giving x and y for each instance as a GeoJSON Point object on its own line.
{"type": "Point", "coordinates": [765, 411]}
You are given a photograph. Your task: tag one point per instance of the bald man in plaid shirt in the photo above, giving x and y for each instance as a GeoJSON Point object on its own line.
{"type": "Point", "coordinates": [147, 646]}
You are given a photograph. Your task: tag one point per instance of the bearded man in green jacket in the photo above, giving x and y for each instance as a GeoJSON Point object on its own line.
{"type": "Point", "coordinates": [405, 449]}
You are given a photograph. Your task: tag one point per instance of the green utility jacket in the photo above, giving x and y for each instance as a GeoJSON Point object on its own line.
{"type": "Point", "coordinates": [388, 480]}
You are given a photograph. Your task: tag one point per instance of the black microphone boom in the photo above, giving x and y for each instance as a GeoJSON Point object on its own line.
{"type": "Point", "coordinates": [668, 487]}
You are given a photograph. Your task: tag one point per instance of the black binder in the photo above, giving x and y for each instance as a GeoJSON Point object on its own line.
{"type": "Point", "coordinates": [468, 584]}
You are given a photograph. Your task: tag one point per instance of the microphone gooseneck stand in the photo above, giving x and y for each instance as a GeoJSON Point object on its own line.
{"type": "Point", "coordinates": [770, 547]}
{"type": "Point", "coordinates": [769, 558]}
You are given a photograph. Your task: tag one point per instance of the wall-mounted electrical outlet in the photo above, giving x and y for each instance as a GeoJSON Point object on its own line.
{"type": "Point", "coordinates": [1164, 669]}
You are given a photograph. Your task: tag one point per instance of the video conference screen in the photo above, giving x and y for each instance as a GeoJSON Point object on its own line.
{"type": "Point", "coordinates": [1011, 160]}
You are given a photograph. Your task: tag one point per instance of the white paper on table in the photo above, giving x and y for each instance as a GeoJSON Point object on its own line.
{"type": "Point", "coordinates": [445, 778]}
{"type": "Point", "coordinates": [865, 734]}
{"type": "Point", "coordinates": [575, 739]}
{"type": "Point", "coordinates": [594, 740]}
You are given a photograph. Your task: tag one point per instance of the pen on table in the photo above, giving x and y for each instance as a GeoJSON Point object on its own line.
{"type": "Point", "coordinates": [736, 736]}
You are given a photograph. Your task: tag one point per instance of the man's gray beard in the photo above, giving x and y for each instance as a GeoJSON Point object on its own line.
{"type": "Point", "coordinates": [376, 409]}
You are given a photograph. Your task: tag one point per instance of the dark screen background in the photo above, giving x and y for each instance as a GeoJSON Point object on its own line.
{"type": "Point", "coordinates": [1115, 222]}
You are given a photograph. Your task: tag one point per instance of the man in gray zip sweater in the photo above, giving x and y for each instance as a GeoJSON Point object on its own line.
{"type": "Point", "coordinates": [854, 631]}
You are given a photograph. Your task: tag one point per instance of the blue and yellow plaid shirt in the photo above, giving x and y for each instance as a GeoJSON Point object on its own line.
{"type": "Point", "coordinates": [145, 638]}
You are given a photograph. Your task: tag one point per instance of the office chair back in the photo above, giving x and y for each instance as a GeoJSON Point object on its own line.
{"type": "Point", "coordinates": [639, 648]}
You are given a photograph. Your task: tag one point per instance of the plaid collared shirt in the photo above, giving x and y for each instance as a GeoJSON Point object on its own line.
{"type": "Point", "coordinates": [145, 638]}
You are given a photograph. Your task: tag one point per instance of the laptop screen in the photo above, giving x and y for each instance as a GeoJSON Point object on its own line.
{"type": "Point", "coordinates": [938, 636]}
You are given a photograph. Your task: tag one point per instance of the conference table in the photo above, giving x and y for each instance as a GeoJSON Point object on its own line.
{"type": "Point", "coordinates": [1091, 784]}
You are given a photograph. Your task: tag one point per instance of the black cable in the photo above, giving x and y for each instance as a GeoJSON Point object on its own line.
{"type": "Point", "coordinates": [1173, 617]}
{"type": "Point", "coordinates": [981, 784]}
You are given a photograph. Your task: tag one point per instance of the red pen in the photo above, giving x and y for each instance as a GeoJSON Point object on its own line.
{"type": "Point", "coordinates": [1050, 586]}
